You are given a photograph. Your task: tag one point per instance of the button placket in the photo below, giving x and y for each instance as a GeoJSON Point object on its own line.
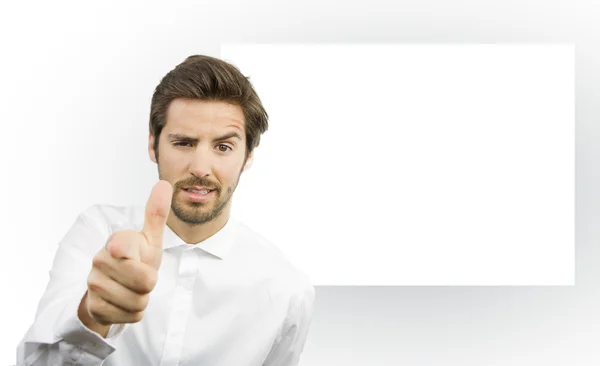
{"type": "Point", "coordinates": [182, 304]}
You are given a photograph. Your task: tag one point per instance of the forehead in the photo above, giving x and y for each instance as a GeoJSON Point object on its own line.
{"type": "Point", "coordinates": [193, 116]}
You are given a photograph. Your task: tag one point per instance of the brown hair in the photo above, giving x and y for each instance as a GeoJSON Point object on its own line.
{"type": "Point", "coordinates": [209, 79]}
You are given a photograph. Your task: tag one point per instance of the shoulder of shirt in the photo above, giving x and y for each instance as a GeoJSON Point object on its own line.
{"type": "Point", "coordinates": [253, 244]}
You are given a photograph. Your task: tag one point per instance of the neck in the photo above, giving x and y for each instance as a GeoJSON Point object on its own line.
{"type": "Point", "coordinates": [194, 234]}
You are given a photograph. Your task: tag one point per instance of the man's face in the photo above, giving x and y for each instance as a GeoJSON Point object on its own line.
{"type": "Point", "coordinates": [203, 144]}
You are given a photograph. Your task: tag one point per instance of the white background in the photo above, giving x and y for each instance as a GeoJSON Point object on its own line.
{"type": "Point", "coordinates": [109, 55]}
{"type": "Point", "coordinates": [416, 164]}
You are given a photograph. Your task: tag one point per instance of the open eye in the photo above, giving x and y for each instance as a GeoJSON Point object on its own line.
{"type": "Point", "coordinates": [226, 146]}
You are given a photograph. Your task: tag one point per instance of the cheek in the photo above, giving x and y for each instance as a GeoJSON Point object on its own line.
{"type": "Point", "coordinates": [170, 167]}
{"type": "Point", "coordinates": [172, 161]}
{"type": "Point", "coordinates": [227, 175]}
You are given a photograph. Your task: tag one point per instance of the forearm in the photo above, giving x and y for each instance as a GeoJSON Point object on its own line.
{"type": "Point", "coordinates": [59, 337]}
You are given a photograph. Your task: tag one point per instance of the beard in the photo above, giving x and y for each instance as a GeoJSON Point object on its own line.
{"type": "Point", "coordinates": [198, 213]}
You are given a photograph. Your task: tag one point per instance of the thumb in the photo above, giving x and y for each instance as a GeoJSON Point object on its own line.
{"type": "Point", "coordinates": [157, 212]}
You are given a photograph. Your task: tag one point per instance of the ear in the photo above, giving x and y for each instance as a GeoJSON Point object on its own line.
{"type": "Point", "coordinates": [249, 161]}
{"type": "Point", "coordinates": [151, 151]}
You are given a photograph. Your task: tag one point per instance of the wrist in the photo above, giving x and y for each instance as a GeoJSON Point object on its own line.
{"type": "Point", "coordinates": [88, 321]}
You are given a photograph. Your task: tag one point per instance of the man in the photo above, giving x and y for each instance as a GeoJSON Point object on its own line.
{"type": "Point", "coordinates": [179, 281]}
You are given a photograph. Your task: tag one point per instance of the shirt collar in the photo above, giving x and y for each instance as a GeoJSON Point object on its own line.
{"type": "Point", "coordinates": [219, 244]}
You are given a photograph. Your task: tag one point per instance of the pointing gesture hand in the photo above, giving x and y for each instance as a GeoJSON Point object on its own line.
{"type": "Point", "coordinates": [146, 245]}
{"type": "Point", "coordinates": [125, 271]}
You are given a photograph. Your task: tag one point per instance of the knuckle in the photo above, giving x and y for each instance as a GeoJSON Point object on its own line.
{"type": "Point", "coordinates": [124, 243]}
{"type": "Point", "coordinates": [115, 246]}
{"type": "Point", "coordinates": [137, 317]}
{"type": "Point", "coordinates": [143, 286]}
{"type": "Point", "coordinates": [146, 281]}
{"type": "Point", "coordinates": [94, 284]}
{"type": "Point", "coordinates": [141, 302]}
{"type": "Point", "coordinates": [98, 261]}
{"type": "Point", "coordinates": [150, 280]}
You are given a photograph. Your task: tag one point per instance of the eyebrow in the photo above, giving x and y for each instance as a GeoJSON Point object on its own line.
{"type": "Point", "coordinates": [182, 137]}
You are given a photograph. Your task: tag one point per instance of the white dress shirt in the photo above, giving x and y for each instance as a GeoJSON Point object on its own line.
{"type": "Point", "coordinates": [230, 300]}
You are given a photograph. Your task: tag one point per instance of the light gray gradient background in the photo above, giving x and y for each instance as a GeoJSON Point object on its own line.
{"type": "Point", "coordinates": [391, 325]}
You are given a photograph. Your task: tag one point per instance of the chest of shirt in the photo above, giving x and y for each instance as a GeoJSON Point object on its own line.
{"type": "Point", "coordinates": [205, 310]}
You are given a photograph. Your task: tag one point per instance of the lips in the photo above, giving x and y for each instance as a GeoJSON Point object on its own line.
{"type": "Point", "coordinates": [198, 188]}
{"type": "Point", "coordinates": [197, 197]}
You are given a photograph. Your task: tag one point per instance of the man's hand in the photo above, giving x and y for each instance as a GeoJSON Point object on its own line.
{"type": "Point", "coordinates": [125, 271]}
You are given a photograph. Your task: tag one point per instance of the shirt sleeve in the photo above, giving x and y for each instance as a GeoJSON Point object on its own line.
{"type": "Point", "coordinates": [290, 344]}
{"type": "Point", "coordinates": [57, 335]}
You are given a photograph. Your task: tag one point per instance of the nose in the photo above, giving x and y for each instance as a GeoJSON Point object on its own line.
{"type": "Point", "coordinates": [201, 162]}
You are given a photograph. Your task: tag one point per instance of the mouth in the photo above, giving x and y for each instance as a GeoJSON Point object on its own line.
{"type": "Point", "coordinates": [198, 190]}
{"type": "Point", "coordinates": [197, 194]}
